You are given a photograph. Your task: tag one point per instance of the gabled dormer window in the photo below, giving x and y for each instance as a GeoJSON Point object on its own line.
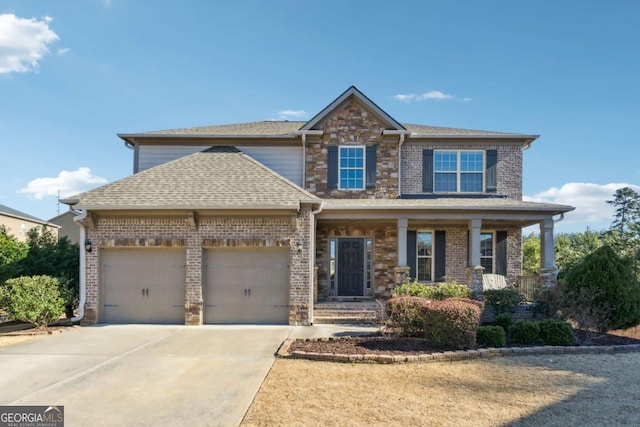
{"type": "Point", "coordinates": [351, 168]}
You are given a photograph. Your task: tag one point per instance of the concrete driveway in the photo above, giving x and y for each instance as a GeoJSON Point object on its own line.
{"type": "Point", "coordinates": [150, 375]}
{"type": "Point", "coordinates": [143, 374]}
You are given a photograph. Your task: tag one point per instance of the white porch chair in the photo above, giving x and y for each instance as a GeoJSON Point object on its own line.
{"type": "Point", "coordinates": [493, 281]}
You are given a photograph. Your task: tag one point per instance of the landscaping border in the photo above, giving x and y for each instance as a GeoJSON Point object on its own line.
{"type": "Point", "coordinates": [449, 356]}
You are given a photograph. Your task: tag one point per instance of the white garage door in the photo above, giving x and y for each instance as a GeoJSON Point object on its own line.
{"type": "Point", "coordinates": [143, 285]}
{"type": "Point", "coordinates": [247, 285]}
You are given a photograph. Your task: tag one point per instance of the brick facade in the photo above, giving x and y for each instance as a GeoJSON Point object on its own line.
{"type": "Point", "coordinates": [178, 232]}
{"type": "Point", "coordinates": [509, 171]}
{"type": "Point", "coordinates": [353, 124]}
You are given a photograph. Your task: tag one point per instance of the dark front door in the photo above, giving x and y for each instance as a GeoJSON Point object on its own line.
{"type": "Point", "coordinates": [350, 267]}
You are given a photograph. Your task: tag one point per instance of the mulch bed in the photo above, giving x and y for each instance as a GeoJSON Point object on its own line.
{"type": "Point", "coordinates": [393, 345]}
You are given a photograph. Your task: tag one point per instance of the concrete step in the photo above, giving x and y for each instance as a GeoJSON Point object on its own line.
{"type": "Point", "coordinates": [343, 320]}
{"type": "Point", "coordinates": [345, 313]}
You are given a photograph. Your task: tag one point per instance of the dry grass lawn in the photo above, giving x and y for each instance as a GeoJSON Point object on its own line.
{"type": "Point", "coordinates": [585, 390]}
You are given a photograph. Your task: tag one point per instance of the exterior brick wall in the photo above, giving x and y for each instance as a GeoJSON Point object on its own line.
{"type": "Point", "coordinates": [353, 125]}
{"type": "Point", "coordinates": [509, 171]}
{"type": "Point", "coordinates": [176, 231]}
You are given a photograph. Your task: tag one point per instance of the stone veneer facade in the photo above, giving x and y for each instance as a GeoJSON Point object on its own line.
{"type": "Point", "coordinates": [353, 124]}
{"type": "Point", "coordinates": [178, 232]}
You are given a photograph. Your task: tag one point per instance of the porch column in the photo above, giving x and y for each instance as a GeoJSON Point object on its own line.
{"type": "Point", "coordinates": [548, 272]}
{"type": "Point", "coordinates": [401, 272]}
{"type": "Point", "coordinates": [402, 241]}
{"type": "Point", "coordinates": [475, 225]}
{"type": "Point", "coordinates": [474, 269]}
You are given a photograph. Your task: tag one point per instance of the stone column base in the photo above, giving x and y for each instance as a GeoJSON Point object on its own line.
{"type": "Point", "coordinates": [400, 275]}
{"type": "Point", "coordinates": [90, 316]}
{"type": "Point", "coordinates": [193, 314]}
{"type": "Point", "coordinates": [548, 277]}
{"type": "Point", "coordinates": [474, 281]}
{"type": "Point", "coordinates": [299, 315]}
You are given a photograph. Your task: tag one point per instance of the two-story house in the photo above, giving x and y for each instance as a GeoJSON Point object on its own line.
{"type": "Point", "coordinates": [255, 222]}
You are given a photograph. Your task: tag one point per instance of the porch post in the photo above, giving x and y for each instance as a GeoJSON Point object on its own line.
{"type": "Point", "coordinates": [474, 269]}
{"type": "Point", "coordinates": [548, 271]}
{"type": "Point", "coordinates": [401, 272]}
{"type": "Point", "coordinates": [402, 241]}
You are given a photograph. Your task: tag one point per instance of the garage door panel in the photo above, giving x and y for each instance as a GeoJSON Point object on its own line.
{"type": "Point", "coordinates": [143, 286]}
{"type": "Point", "coordinates": [247, 285]}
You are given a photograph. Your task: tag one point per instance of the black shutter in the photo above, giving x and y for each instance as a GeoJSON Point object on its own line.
{"type": "Point", "coordinates": [332, 166]}
{"type": "Point", "coordinates": [491, 175]}
{"type": "Point", "coordinates": [371, 166]}
{"type": "Point", "coordinates": [501, 253]}
{"type": "Point", "coordinates": [440, 253]}
{"type": "Point", "coordinates": [412, 253]}
{"type": "Point", "coordinates": [427, 171]}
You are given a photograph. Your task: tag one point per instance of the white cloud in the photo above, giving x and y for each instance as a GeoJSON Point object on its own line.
{"type": "Point", "coordinates": [434, 95]}
{"type": "Point", "coordinates": [23, 42]}
{"type": "Point", "coordinates": [589, 200]}
{"type": "Point", "coordinates": [291, 114]}
{"type": "Point", "coordinates": [67, 182]}
{"type": "Point", "coordinates": [404, 98]}
{"type": "Point", "coordinates": [64, 51]}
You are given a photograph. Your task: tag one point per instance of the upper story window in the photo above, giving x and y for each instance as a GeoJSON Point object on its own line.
{"type": "Point", "coordinates": [351, 168]}
{"type": "Point", "coordinates": [458, 171]}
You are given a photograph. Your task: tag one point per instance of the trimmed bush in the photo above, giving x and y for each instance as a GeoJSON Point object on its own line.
{"type": "Point", "coordinates": [503, 300]}
{"type": "Point", "coordinates": [451, 324]}
{"type": "Point", "coordinates": [433, 292]}
{"type": "Point", "coordinates": [406, 313]}
{"type": "Point", "coordinates": [602, 293]}
{"type": "Point", "coordinates": [555, 332]}
{"type": "Point", "coordinates": [525, 332]}
{"type": "Point", "coordinates": [504, 320]}
{"type": "Point", "coordinates": [33, 299]}
{"type": "Point", "coordinates": [491, 336]}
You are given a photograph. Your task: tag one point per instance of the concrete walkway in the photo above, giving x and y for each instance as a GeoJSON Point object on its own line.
{"type": "Point", "coordinates": [148, 374]}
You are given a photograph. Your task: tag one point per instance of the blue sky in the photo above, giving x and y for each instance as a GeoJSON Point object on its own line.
{"type": "Point", "coordinates": [75, 73]}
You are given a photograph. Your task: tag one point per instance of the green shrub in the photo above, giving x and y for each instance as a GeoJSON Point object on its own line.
{"type": "Point", "coordinates": [504, 320]}
{"type": "Point", "coordinates": [433, 292]}
{"type": "Point", "coordinates": [555, 332]}
{"type": "Point", "coordinates": [602, 293]}
{"type": "Point", "coordinates": [451, 324]}
{"type": "Point", "coordinates": [491, 336]}
{"type": "Point", "coordinates": [503, 300]}
{"type": "Point", "coordinates": [33, 299]}
{"type": "Point", "coordinates": [525, 332]}
{"type": "Point", "coordinates": [406, 313]}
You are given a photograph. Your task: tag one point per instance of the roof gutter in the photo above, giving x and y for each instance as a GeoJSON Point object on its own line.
{"type": "Point", "coordinates": [83, 266]}
{"type": "Point", "coordinates": [303, 136]}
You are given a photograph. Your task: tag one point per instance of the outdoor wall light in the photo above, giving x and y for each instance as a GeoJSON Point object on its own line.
{"type": "Point", "coordinates": [87, 246]}
{"type": "Point", "coordinates": [299, 245]}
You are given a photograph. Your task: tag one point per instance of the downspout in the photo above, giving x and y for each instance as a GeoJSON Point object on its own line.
{"type": "Point", "coordinates": [559, 219]}
{"type": "Point", "coordinates": [83, 267]}
{"type": "Point", "coordinates": [304, 156]}
{"type": "Point", "coordinates": [312, 255]}
{"type": "Point", "coordinates": [400, 142]}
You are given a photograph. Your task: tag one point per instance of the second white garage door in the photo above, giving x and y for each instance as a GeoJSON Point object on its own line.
{"type": "Point", "coordinates": [246, 285]}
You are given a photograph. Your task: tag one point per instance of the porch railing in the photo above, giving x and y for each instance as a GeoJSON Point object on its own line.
{"type": "Point", "coordinates": [528, 286]}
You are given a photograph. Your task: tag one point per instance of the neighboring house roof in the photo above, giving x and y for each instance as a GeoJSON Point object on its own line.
{"type": "Point", "coordinates": [216, 178]}
{"type": "Point", "coordinates": [7, 211]}
{"type": "Point", "coordinates": [444, 203]}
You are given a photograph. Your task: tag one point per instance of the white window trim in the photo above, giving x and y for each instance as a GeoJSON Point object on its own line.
{"type": "Point", "coordinates": [364, 167]}
{"type": "Point", "coordinates": [493, 249]}
{"type": "Point", "coordinates": [433, 254]}
{"type": "Point", "coordinates": [459, 172]}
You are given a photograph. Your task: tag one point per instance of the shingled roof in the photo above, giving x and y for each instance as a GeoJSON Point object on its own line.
{"type": "Point", "coordinates": [216, 178]}
{"type": "Point", "coordinates": [288, 129]}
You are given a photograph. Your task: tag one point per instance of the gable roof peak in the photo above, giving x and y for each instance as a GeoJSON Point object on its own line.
{"type": "Point", "coordinates": [355, 92]}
